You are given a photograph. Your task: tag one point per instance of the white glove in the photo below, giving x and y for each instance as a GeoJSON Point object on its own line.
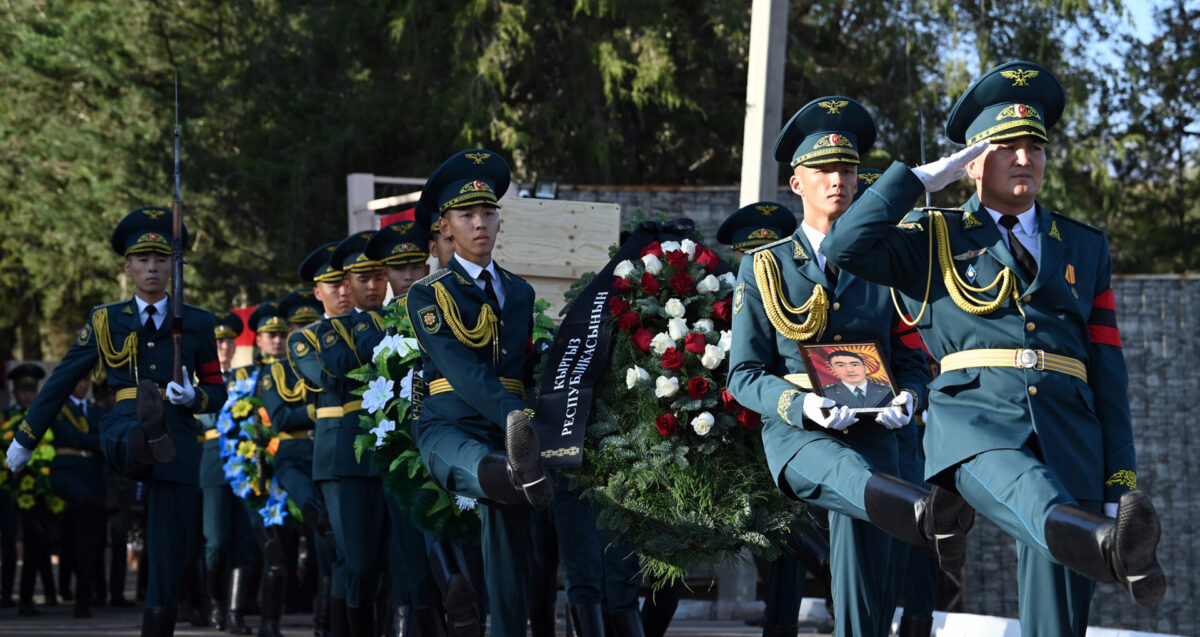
{"type": "Point", "coordinates": [1110, 508]}
{"type": "Point", "coordinates": [18, 456]}
{"type": "Point", "coordinates": [181, 394]}
{"type": "Point", "coordinates": [839, 417]}
{"type": "Point", "coordinates": [948, 170]}
{"type": "Point", "coordinates": [898, 413]}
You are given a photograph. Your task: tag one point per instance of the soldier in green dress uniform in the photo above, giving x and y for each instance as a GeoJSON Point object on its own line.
{"type": "Point", "coordinates": [132, 339]}
{"type": "Point", "coordinates": [787, 297]}
{"type": "Point", "coordinates": [331, 291]}
{"type": "Point", "coordinates": [229, 551]}
{"type": "Point", "coordinates": [473, 320]}
{"type": "Point", "coordinates": [24, 379]}
{"type": "Point", "coordinates": [1029, 418]}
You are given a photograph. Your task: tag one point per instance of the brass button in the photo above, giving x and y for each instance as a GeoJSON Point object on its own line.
{"type": "Point", "coordinates": [502, 323]}
{"type": "Point", "coordinates": [1033, 390]}
{"type": "Point", "coordinates": [837, 338]}
{"type": "Point", "coordinates": [837, 305]}
{"type": "Point", "coordinates": [153, 367]}
{"type": "Point", "coordinates": [504, 351]}
{"type": "Point", "coordinates": [1029, 327]}
{"type": "Point", "coordinates": [1026, 299]}
{"type": "Point", "coordinates": [150, 344]}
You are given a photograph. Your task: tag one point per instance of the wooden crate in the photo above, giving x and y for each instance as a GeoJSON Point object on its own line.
{"type": "Point", "coordinates": [551, 242]}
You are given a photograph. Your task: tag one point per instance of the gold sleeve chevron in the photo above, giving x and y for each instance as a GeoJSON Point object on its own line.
{"type": "Point", "coordinates": [1123, 477]}
{"type": "Point", "coordinates": [785, 404]}
{"type": "Point", "coordinates": [486, 327]}
{"type": "Point", "coordinates": [777, 308]}
{"type": "Point", "coordinates": [293, 394]}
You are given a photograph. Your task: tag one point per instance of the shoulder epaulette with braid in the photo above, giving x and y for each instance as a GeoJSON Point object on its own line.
{"type": "Point", "coordinates": [433, 276]}
{"type": "Point", "coordinates": [768, 246]}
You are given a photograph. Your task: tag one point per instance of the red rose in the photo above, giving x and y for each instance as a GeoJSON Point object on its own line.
{"type": "Point", "coordinates": [707, 258]}
{"type": "Point", "coordinates": [681, 283]}
{"type": "Point", "coordinates": [667, 424]}
{"type": "Point", "coordinates": [694, 343]}
{"type": "Point", "coordinates": [748, 419]}
{"type": "Point", "coordinates": [677, 259]}
{"type": "Point", "coordinates": [628, 321]}
{"type": "Point", "coordinates": [654, 248]}
{"type": "Point", "coordinates": [728, 402]}
{"type": "Point", "coordinates": [622, 285]}
{"type": "Point", "coordinates": [697, 387]}
{"type": "Point", "coordinates": [672, 359]}
{"type": "Point", "coordinates": [642, 338]}
{"type": "Point", "coordinates": [617, 305]}
{"type": "Point", "coordinates": [721, 309]}
{"type": "Point", "coordinates": [649, 284]}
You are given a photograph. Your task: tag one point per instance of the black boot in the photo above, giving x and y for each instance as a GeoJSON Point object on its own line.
{"type": "Point", "coordinates": [426, 622]}
{"type": "Point", "coordinates": [934, 521]}
{"type": "Point", "coordinates": [272, 603]}
{"type": "Point", "coordinates": [401, 623]}
{"type": "Point", "coordinates": [361, 620]}
{"type": "Point", "coordinates": [780, 631]}
{"type": "Point", "coordinates": [238, 587]}
{"type": "Point", "coordinates": [587, 619]}
{"type": "Point", "coordinates": [321, 627]}
{"type": "Point", "coordinates": [659, 610]}
{"type": "Point", "coordinates": [541, 621]}
{"type": "Point", "coordinates": [337, 617]}
{"type": "Point", "coordinates": [447, 565]}
{"type": "Point", "coordinates": [625, 623]}
{"type": "Point", "coordinates": [915, 626]}
{"type": "Point", "coordinates": [525, 459]}
{"type": "Point", "coordinates": [150, 441]}
{"type": "Point", "coordinates": [158, 621]}
{"type": "Point", "coordinates": [215, 587]}
{"type": "Point", "coordinates": [1107, 550]}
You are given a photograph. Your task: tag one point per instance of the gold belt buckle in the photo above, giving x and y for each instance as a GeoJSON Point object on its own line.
{"type": "Point", "coordinates": [1030, 359]}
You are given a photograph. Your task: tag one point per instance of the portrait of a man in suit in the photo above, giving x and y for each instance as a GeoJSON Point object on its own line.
{"type": "Point", "coordinates": [854, 389]}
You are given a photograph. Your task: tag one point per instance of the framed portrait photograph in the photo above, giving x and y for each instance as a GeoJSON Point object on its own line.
{"type": "Point", "coordinates": [851, 374]}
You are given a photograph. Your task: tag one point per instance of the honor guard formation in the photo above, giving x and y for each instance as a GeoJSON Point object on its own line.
{"type": "Point", "coordinates": [994, 323]}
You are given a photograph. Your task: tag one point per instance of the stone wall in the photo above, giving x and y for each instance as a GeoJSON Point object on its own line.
{"type": "Point", "coordinates": [1159, 319]}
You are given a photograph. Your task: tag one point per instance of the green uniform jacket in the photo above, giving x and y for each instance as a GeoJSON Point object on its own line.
{"type": "Point", "coordinates": [1083, 428]}
{"type": "Point", "coordinates": [77, 471]}
{"type": "Point", "coordinates": [153, 357]}
{"type": "Point", "coordinates": [339, 356]}
{"type": "Point", "coordinates": [478, 399]}
{"type": "Point", "coordinates": [304, 356]}
{"type": "Point", "coordinates": [760, 356]}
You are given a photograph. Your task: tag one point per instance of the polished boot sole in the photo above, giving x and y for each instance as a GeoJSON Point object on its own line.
{"type": "Point", "coordinates": [952, 519]}
{"type": "Point", "coordinates": [462, 615]}
{"type": "Point", "coordinates": [525, 458]}
{"type": "Point", "coordinates": [1135, 544]}
{"type": "Point", "coordinates": [152, 420]}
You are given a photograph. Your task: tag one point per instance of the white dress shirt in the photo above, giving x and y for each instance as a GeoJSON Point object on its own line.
{"type": "Point", "coordinates": [160, 310]}
{"type": "Point", "coordinates": [474, 270]}
{"type": "Point", "coordinates": [1026, 231]}
{"type": "Point", "coordinates": [815, 237]}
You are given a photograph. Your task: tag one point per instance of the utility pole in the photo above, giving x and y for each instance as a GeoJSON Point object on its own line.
{"type": "Point", "coordinates": [764, 100]}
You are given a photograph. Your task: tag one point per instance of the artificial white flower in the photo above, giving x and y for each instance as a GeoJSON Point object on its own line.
{"type": "Point", "coordinates": [677, 328]}
{"type": "Point", "coordinates": [665, 387]}
{"type": "Point", "coordinates": [406, 385]}
{"type": "Point", "coordinates": [689, 248]}
{"type": "Point", "coordinates": [635, 375]}
{"type": "Point", "coordinates": [624, 269]}
{"type": "Point", "coordinates": [674, 308]}
{"type": "Point", "coordinates": [388, 344]}
{"type": "Point", "coordinates": [713, 355]}
{"type": "Point", "coordinates": [464, 503]}
{"type": "Point", "coordinates": [727, 279]}
{"type": "Point", "coordinates": [661, 343]}
{"type": "Point", "coordinates": [703, 423]}
{"type": "Point", "coordinates": [653, 265]}
{"type": "Point", "coordinates": [381, 431]}
{"type": "Point", "coordinates": [726, 340]}
{"type": "Point", "coordinates": [669, 246]}
{"type": "Point", "coordinates": [377, 394]}
{"type": "Point", "coordinates": [702, 326]}
{"type": "Point", "coordinates": [708, 285]}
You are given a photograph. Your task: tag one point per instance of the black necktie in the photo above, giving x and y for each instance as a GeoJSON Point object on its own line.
{"type": "Point", "coordinates": [831, 272]}
{"type": "Point", "coordinates": [1022, 255]}
{"type": "Point", "coordinates": [490, 291]}
{"type": "Point", "coordinates": [150, 326]}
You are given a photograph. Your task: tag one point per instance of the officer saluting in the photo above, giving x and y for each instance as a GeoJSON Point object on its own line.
{"type": "Point", "coordinates": [132, 339]}
{"type": "Point", "coordinates": [1029, 418]}
{"type": "Point", "coordinates": [473, 320]}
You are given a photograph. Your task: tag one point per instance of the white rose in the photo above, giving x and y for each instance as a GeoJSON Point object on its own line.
{"type": "Point", "coordinates": [713, 355]}
{"type": "Point", "coordinates": [726, 340]}
{"type": "Point", "coordinates": [689, 248]}
{"type": "Point", "coordinates": [708, 285]}
{"type": "Point", "coordinates": [677, 328]}
{"type": "Point", "coordinates": [670, 246]}
{"type": "Point", "coordinates": [661, 343]}
{"type": "Point", "coordinates": [703, 423]}
{"type": "Point", "coordinates": [727, 279]}
{"type": "Point", "coordinates": [624, 269]}
{"type": "Point", "coordinates": [703, 326]}
{"type": "Point", "coordinates": [635, 375]}
{"type": "Point", "coordinates": [653, 265]}
{"type": "Point", "coordinates": [665, 387]}
{"type": "Point", "coordinates": [674, 308]}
